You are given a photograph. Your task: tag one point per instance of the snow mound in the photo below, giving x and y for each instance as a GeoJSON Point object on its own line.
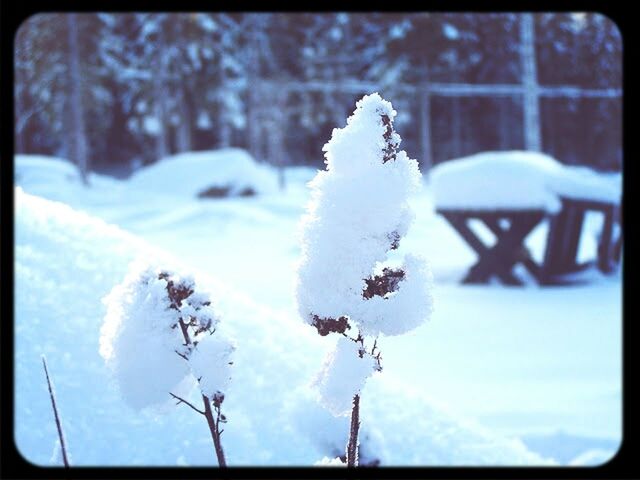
{"type": "Point", "coordinates": [67, 261]}
{"type": "Point", "coordinates": [226, 172]}
{"type": "Point", "coordinates": [58, 179]}
{"type": "Point", "coordinates": [517, 180]}
{"type": "Point", "coordinates": [31, 169]}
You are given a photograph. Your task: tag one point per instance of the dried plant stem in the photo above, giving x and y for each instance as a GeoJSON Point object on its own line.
{"type": "Point", "coordinates": [213, 423]}
{"type": "Point", "coordinates": [352, 446]}
{"type": "Point", "coordinates": [63, 447]}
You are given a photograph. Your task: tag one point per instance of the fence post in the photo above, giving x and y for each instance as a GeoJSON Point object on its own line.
{"type": "Point", "coordinates": [425, 128]}
{"type": "Point", "coordinates": [531, 105]}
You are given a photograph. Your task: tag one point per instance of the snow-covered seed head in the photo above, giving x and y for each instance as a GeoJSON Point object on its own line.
{"type": "Point", "coordinates": [153, 337]}
{"type": "Point", "coordinates": [359, 212]}
{"type": "Point", "coordinates": [177, 293]}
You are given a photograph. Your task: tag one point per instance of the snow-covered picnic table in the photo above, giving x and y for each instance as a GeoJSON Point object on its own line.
{"type": "Point", "coordinates": [511, 192]}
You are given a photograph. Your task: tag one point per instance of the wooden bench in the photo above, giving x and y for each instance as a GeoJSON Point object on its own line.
{"type": "Point", "coordinates": [565, 229]}
{"type": "Point", "coordinates": [511, 227]}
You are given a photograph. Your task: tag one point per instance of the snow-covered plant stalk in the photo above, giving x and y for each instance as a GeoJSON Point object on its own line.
{"type": "Point", "coordinates": [52, 395]}
{"type": "Point", "coordinates": [158, 336]}
{"type": "Point", "coordinates": [359, 212]}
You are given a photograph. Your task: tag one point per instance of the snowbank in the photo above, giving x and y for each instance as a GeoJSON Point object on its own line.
{"type": "Point", "coordinates": [58, 179]}
{"type": "Point", "coordinates": [193, 173]}
{"type": "Point", "coordinates": [66, 261]}
{"type": "Point", "coordinates": [517, 180]}
{"type": "Point", "coordinates": [30, 169]}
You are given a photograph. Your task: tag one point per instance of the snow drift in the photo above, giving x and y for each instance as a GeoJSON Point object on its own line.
{"type": "Point", "coordinates": [66, 261]}
{"type": "Point", "coordinates": [226, 172]}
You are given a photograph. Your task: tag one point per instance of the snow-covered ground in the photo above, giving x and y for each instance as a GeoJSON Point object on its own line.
{"type": "Point", "coordinates": [500, 375]}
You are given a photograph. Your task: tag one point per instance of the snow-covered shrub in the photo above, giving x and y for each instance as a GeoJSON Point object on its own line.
{"type": "Point", "coordinates": [158, 339]}
{"type": "Point", "coordinates": [359, 211]}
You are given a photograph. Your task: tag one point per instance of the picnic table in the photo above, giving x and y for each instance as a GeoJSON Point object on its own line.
{"type": "Point", "coordinates": [511, 193]}
{"type": "Point", "coordinates": [512, 226]}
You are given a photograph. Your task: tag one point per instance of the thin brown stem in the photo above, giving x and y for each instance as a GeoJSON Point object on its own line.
{"type": "Point", "coordinates": [352, 446]}
{"type": "Point", "coordinates": [211, 422]}
{"type": "Point", "coordinates": [182, 400]}
{"type": "Point", "coordinates": [214, 429]}
{"type": "Point", "coordinates": [55, 414]}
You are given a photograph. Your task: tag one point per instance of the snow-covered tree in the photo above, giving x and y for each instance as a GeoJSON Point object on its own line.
{"type": "Point", "coordinates": [358, 213]}
{"type": "Point", "coordinates": [159, 337]}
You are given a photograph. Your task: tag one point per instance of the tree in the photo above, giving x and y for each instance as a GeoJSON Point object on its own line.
{"type": "Point", "coordinates": [359, 212]}
{"type": "Point", "coordinates": [79, 146]}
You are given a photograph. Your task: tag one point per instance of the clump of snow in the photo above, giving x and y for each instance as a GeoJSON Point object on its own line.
{"type": "Point", "coordinates": [139, 340]}
{"type": "Point", "coordinates": [330, 462]}
{"type": "Point", "coordinates": [409, 305]}
{"type": "Point", "coordinates": [191, 174]}
{"type": "Point", "coordinates": [143, 337]}
{"type": "Point", "coordinates": [343, 375]}
{"type": "Point", "coordinates": [517, 180]}
{"type": "Point", "coordinates": [358, 212]}
{"type": "Point", "coordinates": [210, 364]}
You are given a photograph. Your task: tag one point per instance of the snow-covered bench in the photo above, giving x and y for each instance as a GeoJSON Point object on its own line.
{"type": "Point", "coordinates": [511, 193]}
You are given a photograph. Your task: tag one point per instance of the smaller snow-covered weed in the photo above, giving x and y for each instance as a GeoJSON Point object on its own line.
{"type": "Point", "coordinates": [159, 339]}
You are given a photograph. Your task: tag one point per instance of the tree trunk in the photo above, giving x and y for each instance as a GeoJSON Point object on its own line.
{"type": "Point", "coordinates": [425, 131]}
{"type": "Point", "coordinates": [505, 125]}
{"type": "Point", "coordinates": [276, 153]}
{"type": "Point", "coordinates": [255, 91]}
{"type": "Point", "coordinates": [77, 133]}
{"type": "Point", "coordinates": [225, 134]}
{"type": "Point", "coordinates": [456, 127]}
{"type": "Point", "coordinates": [160, 94]}
{"type": "Point", "coordinates": [183, 133]}
{"type": "Point", "coordinates": [19, 129]}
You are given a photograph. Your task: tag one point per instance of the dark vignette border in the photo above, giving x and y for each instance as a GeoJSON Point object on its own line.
{"type": "Point", "coordinates": [13, 465]}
